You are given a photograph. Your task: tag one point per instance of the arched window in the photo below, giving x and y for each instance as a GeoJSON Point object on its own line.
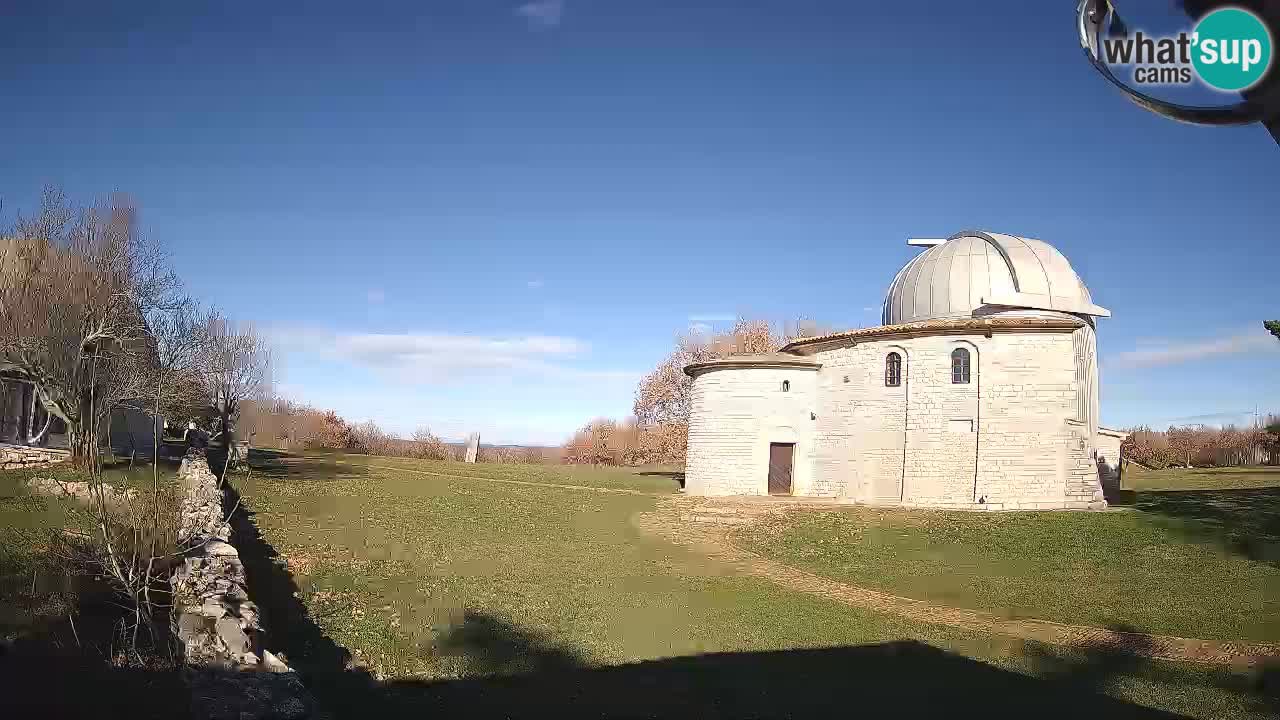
{"type": "Point", "coordinates": [786, 386]}
{"type": "Point", "coordinates": [893, 370]}
{"type": "Point", "coordinates": [960, 366]}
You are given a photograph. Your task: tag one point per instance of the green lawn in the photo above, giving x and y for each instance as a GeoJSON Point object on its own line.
{"type": "Point", "coordinates": [658, 479]}
{"type": "Point", "coordinates": [37, 589]}
{"type": "Point", "coordinates": [58, 620]}
{"type": "Point", "coordinates": [442, 574]}
{"type": "Point", "coordinates": [1139, 478]}
{"type": "Point", "coordinates": [33, 592]}
{"type": "Point", "coordinates": [1196, 563]}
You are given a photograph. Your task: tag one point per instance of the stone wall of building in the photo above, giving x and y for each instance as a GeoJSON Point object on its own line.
{"type": "Point", "coordinates": [736, 413]}
{"type": "Point", "coordinates": [861, 425]}
{"type": "Point", "coordinates": [22, 456]}
{"type": "Point", "coordinates": [1035, 449]}
{"type": "Point", "coordinates": [1009, 439]}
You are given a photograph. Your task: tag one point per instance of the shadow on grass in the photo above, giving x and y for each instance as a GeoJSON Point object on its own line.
{"type": "Point", "coordinates": [510, 671]}
{"type": "Point", "coordinates": [1244, 522]}
{"type": "Point", "coordinates": [1093, 669]}
{"type": "Point", "coordinates": [60, 640]}
{"type": "Point", "coordinates": [515, 672]}
{"type": "Point", "coordinates": [282, 465]}
{"type": "Point", "coordinates": [61, 684]}
{"type": "Point", "coordinates": [677, 475]}
{"type": "Point", "coordinates": [897, 679]}
{"type": "Point", "coordinates": [324, 665]}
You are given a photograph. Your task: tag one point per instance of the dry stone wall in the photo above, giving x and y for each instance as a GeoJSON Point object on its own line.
{"type": "Point", "coordinates": [80, 491]}
{"type": "Point", "coordinates": [22, 456]}
{"type": "Point", "coordinates": [217, 623]}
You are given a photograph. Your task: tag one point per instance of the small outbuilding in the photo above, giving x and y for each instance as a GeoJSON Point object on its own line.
{"type": "Point", "coordinates": [26, 426]}
{"type": "Point", "coordinates": [979, 390]}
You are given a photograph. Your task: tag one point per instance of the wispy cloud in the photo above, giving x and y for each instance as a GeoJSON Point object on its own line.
{"type": "Point", "coordinates": [1176, 352]}
{"type": "Point", "coordinates": [705, 323]}
{"type": "Point", "coordinates": [712, 318]}
{"type": "Point", "coordinates": [542, 14]}
{"type": "Point", "coordinates": [437, 357]}
{"type": "Point", "coordinates": [1217, 416]}
{"type": "Point", "coordinates": [377, 296]}
{"type": "Point", "coordinates": [535, 284]}
{"type": "Point", "coordinates": [870, 309]}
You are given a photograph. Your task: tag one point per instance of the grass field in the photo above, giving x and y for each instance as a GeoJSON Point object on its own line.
{"type": "Point", "coordinates": [58, 620]}
{"type": "Point", "coordinates": [427, 572]}
{"type": "Point", "coordinates": [36, 591]}
{"type": "Point", "coordinates": [1139, 478]}
{"type": "Point", "coordinates": [33, 592]}
{"type": "Point", "coordinates": [1194, 563]}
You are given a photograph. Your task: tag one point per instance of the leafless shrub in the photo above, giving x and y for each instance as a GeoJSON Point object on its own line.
{"type": "Point", "coordinates": [333, 433]}
{"type": "Point", "coordinates": [658, 433]}
{"type": "Point", "coordinates": [427, 445]}
{"type": "Point", "coordinates": [510, 455]}
{"type": "Point", "coordinates": [1192, 446]}
{"type": "Point", "coordinates": [281, 423]}
{"type": "Point", "coordinates": [237, 369]}
{"type": "Point", "coordinates": [609, 442]}
{"type": "Point", "coordinates": [663, 395]}
{"type": "Point", "coordinates": [371, 439]}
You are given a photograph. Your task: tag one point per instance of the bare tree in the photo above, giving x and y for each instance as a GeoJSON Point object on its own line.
{"type": "Point", "coordinates": [75, 286]}
{"type": "Point", "coordinates": [663, 395]}
{"type": "Point", "coordinates": [662, 398]}
{"type": "Point", "coordinates": [179, 335]}
{"type": "Point", "coordinates": [427, 444]}
{"type": "Point", "coordinates": [238, 368]}
{"type": "Point", "coordinates": [1186, 442]}
{"type": "Point", "coordinates": [604, 441]}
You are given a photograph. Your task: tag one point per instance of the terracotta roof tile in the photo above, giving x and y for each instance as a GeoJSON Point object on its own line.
{"type": "Point", "coordinates": [970, 325]}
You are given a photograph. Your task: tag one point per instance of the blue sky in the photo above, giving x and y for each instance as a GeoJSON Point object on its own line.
{"type": "Point", "coordinates": [496, 216]}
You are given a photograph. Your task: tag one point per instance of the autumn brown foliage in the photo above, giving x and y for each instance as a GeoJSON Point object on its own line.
{"type": "Point", "coordinates": [663, 395]}
{"type": "Point", "coordinates": [1198, 446]}
{"type": "Point", "coordinates": [288, 425]}
{"type": "Point", "coordinates": [608, 442]}
{"type": "Point", "coordinates": [658, 432]}
{"type": "Point", "coordinates": [284, 424]}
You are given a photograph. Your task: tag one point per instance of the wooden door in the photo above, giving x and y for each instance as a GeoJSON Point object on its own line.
{"type": "Point", "coordinates": [780, 455]}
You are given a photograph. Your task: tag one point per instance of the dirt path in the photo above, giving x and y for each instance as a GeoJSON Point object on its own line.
{"type": "Point", "coordinates": [708, 528]}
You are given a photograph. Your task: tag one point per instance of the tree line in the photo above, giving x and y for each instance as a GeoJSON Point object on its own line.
{"type": "Point", "coordinates": [288, 425]}
{"type": "Point", "coordinates": [1197, 446]}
